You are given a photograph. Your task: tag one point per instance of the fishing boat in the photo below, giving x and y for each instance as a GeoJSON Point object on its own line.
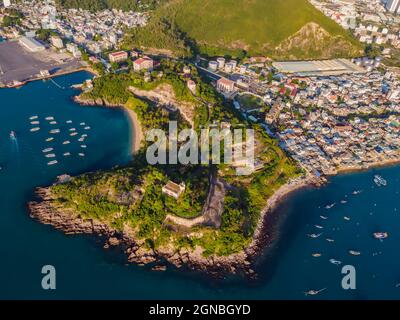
{"type": "Point", "coordinates": [323, 217]}
{"type": "Point", "coordinates": [330, 206]}
{"type": "Point", "coordinates": [314, 292]}
{"type": "Point", "coordinates": [354, 253]}
{"type": "Point", "coordinates": [34, 129]}
{"type": "Point", "coordinates": [356, 192]}
{"type": "Point", "coordinates": [343, 201]}
{"type": "Point", "coordinates": [81, 154]}
{"type": "Point", "coordinates": [379, 181]}
{"type": "Point", "coordinates": [33, 117]}
{"type": "Point", "coordinates": [49, 139]}
{"type": "Point", "coordinates": [318, 226]}
{"type": "Point", "coordinates": [35, 122]}
{"type": "Point", "coordinates": [49, 118]}
{"type": "Point", "coordinates": [84, 135]}
{"type": "Point", "coordinates": [346, 218]}
{"type": "Point", "coordinates": [73, 134]}
{"type": "Point", "coordinates": [50, 155]}
{"type": "Point", "coordinates": [330, 240]}
{"type": "Point", "coordinates": [82, 124]}
{"type": "Point", "coordinates": [68, 121]}
{"type": "Point", "coordinates": [51, 163]}
{"type": "Point", "coordinates": [53, 122]}
{"type": "Point", "coordinates": [66, 154]}
{"type": "Point", "coordinates": [81, 139]}
{"type": "Point", "coordinates": [83, 146]}
{"type": "Point", "coordinates": [47, 150]}
{"type": "Point", "coordinates": [13, 135]}
{"type": "Point", "coordinates": [316, 255]}
{"type": "Point", "coordinates": [335, 262]}
{"type": "Point", "coordinates": [72, 129]}
{"type": "Point", "coordinates": [314, 236]}
{"type": "Point", "coordinates": [87, 128]}
{"type": "Point", "coordinates": [381, 235]}
{"type": "Point", "coordinates": [55, 131]}
{"type": "Point", "coordinates": [66, 142]}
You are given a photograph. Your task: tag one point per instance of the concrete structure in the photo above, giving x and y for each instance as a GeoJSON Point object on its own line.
{"type": "Point", "coordinates": [221, 63]}
{"type": "Point", "coordinates": [173, 190]}
{"type": "Point", "coordinates": [319, 68]}
{"type": "Point", "coordinates": [213, 66]}
{"type": "Point", "coordinates": [57, 42]}
{"type": "Point", "coordinates": [31, 44]}
{"type": "Point", "coordinates": [393, 6]}
{"type": "Point", "coordinates": [118, 56]}
{"type": "Point", "coordinates": [144, 63]}
{"type": "Point", "coordinates": [225, 85]}
{"type": "Point", "coordinates": [191, 86]}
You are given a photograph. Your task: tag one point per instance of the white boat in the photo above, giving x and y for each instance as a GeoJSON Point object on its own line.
{"type": "Point", "coordinates": [343, 201]}
{"type": "Point", "coordinates": [83, 146]}
{"type": "Point", "coordinates": [87, 128]}
{"type": "Point", "coordinates": [47, 150]}
{"type": "Point", "coordinates": [381, 235]}
{"type": "Point", "coordinates": [73, 134]}
{"type": "Point", "coordinates": [84, 135]}
{"type": "Point", "coordinates": [354, 253]}
{"type": "Point", "coordinates": [13, 135]}
{"type": "Point", "coordinates": [314, 236]}
{"type": "Point", "coordinates": [81, 139]}
{"type": "Point", "coordinates": [356, 192]}
{"type": "Point", "coordinates": [49, 118]}
{"type": "Point", "coordinates": [66, 154]}
{"type": "Point", "coordinates": [379, 181]}
{"type": "Point", "coordinates": [82, 124]}
{"type": "Point", "coordinates": [346, 218]}
{"type": "Point", "coordinates": [35, 122]}
{"type": "Point", "coordinates": [330, 240]}
{"type": "Point", "coordinates": [81, 154]}
{"type": "Point", "coordinates": [72, 129]}
{"type": "Point", "coordinates": [51, 163]}
{"type": "Point", "coordinates": [316, 255]}
{"type": "Point", "coordinates": [55, 131]}
{"type": "Point", "coordinates": [35, 129]}
{"type": "Point", "coordinates": [330, 206]}
{"type": "Point", "coordinates": [66, 142]}
{"type": "Point", "coordinates": [33, 117]}
{"type": "Point", "coordinates": [68, 121]}
{"type": "Point", "coordinates": [318, 226]}
{"type": "Point", "coordinates": [49, 139]}
{"type": "Point", "coordinates": [314, 292]}
{"type": "Point", "coordinates": [50, 155]}
{"type": "Point", "coordinates": [336, 262]}
{"type": "Point", "coordinates": [323, 217]}
{"type": "Point", "coordinates": [53, 122]}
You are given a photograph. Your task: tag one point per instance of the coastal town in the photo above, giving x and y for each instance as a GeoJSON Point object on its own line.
{"type": "Point", "coordinates": [314, 99]}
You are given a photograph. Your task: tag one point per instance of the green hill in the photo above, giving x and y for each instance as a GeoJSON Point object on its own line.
{"type": "Point", "coordinates": [289, 29]}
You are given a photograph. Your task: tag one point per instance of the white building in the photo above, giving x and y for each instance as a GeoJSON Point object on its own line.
{"type": "Point", "coordinates": [393, 5]}
{"type": "Point", "coordinates": [31, 44]}
{"type": "Point", "coordinates": [57, 42]}
{"type": "Point", "coordinates": [225, 85]}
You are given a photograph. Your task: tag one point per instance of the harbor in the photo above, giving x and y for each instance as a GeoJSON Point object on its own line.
{"type": "Point", "coordinates": [19, 66]}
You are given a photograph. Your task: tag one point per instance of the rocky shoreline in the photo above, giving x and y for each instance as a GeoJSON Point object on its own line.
{"type": "Point", "coordinates": [45, 210]}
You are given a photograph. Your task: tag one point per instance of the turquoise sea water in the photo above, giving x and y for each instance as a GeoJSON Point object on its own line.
{"type": "Point", "coordinates": [85, 270]}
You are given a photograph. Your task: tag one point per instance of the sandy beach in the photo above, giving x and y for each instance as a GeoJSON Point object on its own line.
{"type": "Point", "coordinates": [137, 133]}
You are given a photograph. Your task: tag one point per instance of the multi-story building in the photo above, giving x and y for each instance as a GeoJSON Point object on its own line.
{"type": "Point", "coordinates": [144, 63]}
{"type": "Point", "coordinates": [119, 56]}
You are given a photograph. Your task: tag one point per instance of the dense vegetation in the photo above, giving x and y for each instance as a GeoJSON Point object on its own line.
{"type": "Point", "coordinates": [237, 27]}
{"type": "Point", "coordinates": [131, 197]}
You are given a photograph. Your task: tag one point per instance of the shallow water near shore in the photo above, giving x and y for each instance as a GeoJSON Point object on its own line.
{"type": "Point", "coordinates": [86, 271]}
